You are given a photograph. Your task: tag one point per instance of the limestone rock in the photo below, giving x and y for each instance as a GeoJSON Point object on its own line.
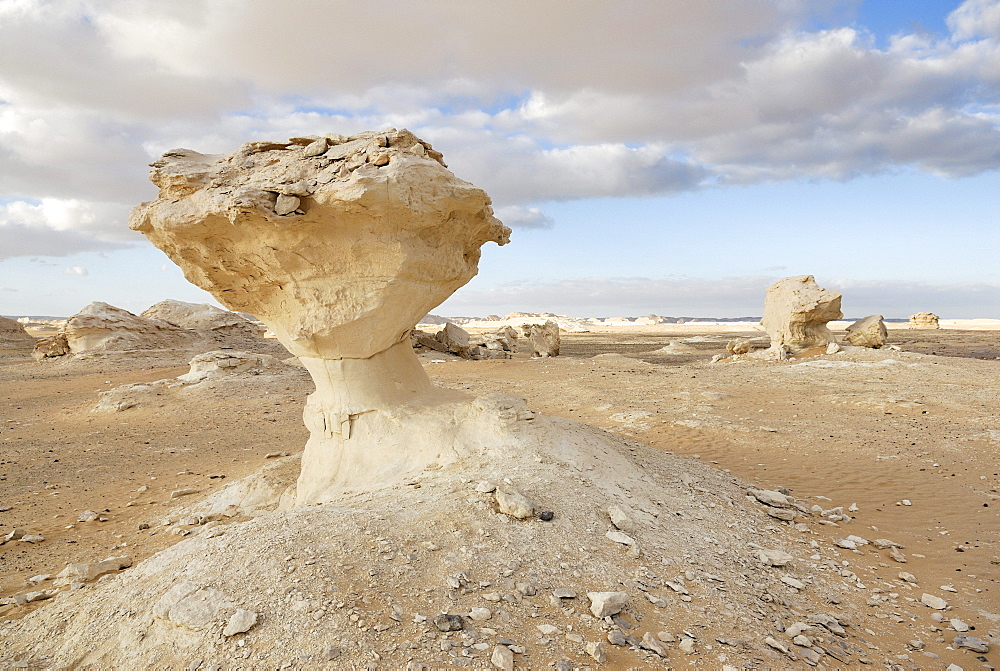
{"type": "Point", "coordinates": [219, 363]}
{"type": "Point", "coordinates": [603, 604]}
{"type": "Point", "coordinates": [503, 658]}
{"type": "Point", "coordinates": [83, 572]}
{"type": "Point", "coordinates": [51, 347]}
{"type": "Point", "coordinates": [202, 317]}
{"type": "Point", "coordinates": [191, 605]}
{"type": "Point", "coordinates": [514, 503]}
{"type": "Point", "coordinates": [867, 332]}
{"type": "Point", "coordinates": [13, 336]}
{"type": "Point", "coordinates": [103, 327]}
{"type": "Point", "coordinates": [542, 339]}
{"type": "Point", "coordinates": [454, 339]}
{"type": "Point", "coordinates": [931, 601]}
{"type": "Point", "coordinates": [621, 519]}
{"type": "Point", "coordinates": [796, 311]}
{"type": "Point", "coordinates": [924, 320]}
{"type": "Point", "coordinates": [970, 643]}
{"type": "Point", "coordinates": [370, 249]}
{"type": "Point", "coordinates": [240, 622]}
{"type": "Point", "coordinates": [739, 346]}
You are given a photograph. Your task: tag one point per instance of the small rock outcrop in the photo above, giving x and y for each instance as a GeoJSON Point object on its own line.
{"type": "Point", "coordinates": [340, 245]}
{"type": "Point", "coordinates": [103, 327]}
{"type": "Point", "coordinates": [796, 312]}
{"type": "Point", "coordinates": [869, 331]}
{"type": "Point", "coordinates": [924, 320]}
{"type": "Point", "coordinates": [202, 317]}
{"type": "Point", "coordinates": [13, 336]}
{"type": "Point", "coordinates": [543, 339]}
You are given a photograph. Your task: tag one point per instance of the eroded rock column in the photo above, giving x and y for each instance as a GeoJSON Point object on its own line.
{"type": "Point", "coordinates": [340, 245]}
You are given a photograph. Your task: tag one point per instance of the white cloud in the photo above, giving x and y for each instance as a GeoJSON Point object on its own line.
{"type": "Point", "coordinates": [517, 216]}
{"type": "Point", "coordinates": [76, 270]}
{"type": "Point", "coordinates": [532, 102]}
{"type": "Point", "coordinates": [60, 227]}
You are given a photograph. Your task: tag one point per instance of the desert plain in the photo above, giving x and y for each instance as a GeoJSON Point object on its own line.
{"type": "Point", "coordinates": [895, 444]}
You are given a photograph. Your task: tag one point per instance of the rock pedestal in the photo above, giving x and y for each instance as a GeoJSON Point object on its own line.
{"type": "Point", "coordinates": [796, 312]}
{"type": "Point", "coordinates": [340, 245]}
{"type": "Point", "coordinates": [924, 320]}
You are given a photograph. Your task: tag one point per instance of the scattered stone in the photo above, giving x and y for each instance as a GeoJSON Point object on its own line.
{"type": "Point", "coordinates": [31, 538]}
{"type": "Point", "coordinates": [275, 455]}
{"type": "Point", "coordinates": [958, 625]}
{"type": "Point", "coordinates": [792, 582]}
{"type": "Point", "coordinates": [543, 339]}
{"type": "Point", "coordinates": [87, 516]}
{"type": "Point", "coordinates": [514, 503]}
{"type": "Point", "coordinates": [486, 487]}
{"type": "Point", "coordinates": [187, 491]}
{"type": "Point", "coordinates": [547, 629]}
{"type": "Point", "coordinates": [597, 650]}
{"type": "Point", "coordinates": [651, 643]}
{"type": "Point", "coordinates": [13, 535]}
{"type": "Point", "coordinates": [907, 577]}
{"type": "Point", "coordinates": [931, 601]}
{"type": "Point", "coordinates": [445, 622]}
{"type": "Point", "coordinates": [616, 637]}
{"type": "Point", "coordinates": [82, 572]}
{"type": "Point", "coordinates": [546, 515]}
{"type": "Point", "coordinates": [240, 622]}
{"type": "Point", "coordinates": [772, 498]}
{"type": "Point", "coordinates": [619, 537]}
{"type": "Point", "coordinates": [35, 579]}
{"type": "Point", "coordinates": [797, 628]}
{"type": "Point", "coordinates": [740, 346]}
{"type": "Point", "coordinates": [970, 643]}
{"type": "Point", "coordinates": [332, 652]}
{"type": "Point", "coordinates": [620, 519]}
{"type": "Point", "coordinates": [784, 514]}
{"type": "Point", "coordinates": [770, 641]}
{"type": "Point", "coordinates": [563, 593]}
{"type": "Point", "coordinates": [832, 348]}
{"type": "Point", "coordinates": [774, 557]}
{"type": "Point", "coordinates": [846, 544]}
{"type": "Point", "coordinates": [603, 604]}
{"type": "Point", "coordinates": [480, 614]}
{"type": "Point", "coordinates": [503, 658]}
{"type": "Point", "coordinates": [526, 589]}
{"type": "Point", "coordinates": [191, 605]}
{"type": "Point", "coordinates": [897, 556]}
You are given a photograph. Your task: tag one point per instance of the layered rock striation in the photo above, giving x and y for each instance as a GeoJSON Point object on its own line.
{"type": "Point", "coordinates": [340, 245]}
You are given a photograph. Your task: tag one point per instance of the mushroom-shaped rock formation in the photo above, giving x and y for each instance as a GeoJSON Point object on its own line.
{"type": "Point", "coordinates": [796, 312]}
{"type": "Point", "coordinates": [340, 245]}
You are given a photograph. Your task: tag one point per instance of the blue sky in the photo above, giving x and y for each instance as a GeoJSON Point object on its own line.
{"type": "Point", "coordinates": [656, 157]}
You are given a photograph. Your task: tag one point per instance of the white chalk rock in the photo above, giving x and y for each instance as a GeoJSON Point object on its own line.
{"type": "Point", "coordinates": [514, 503]}
{"type": "Point", "coordinates": [796, 312]}
{"type": "Point", "coordinates": [103, 327]}
{"type": "Point", "coordinates": [542, 339]}
{"type": "Point", "coordinates": [867, 332]}
{"type": "Point", "coordinates": [603, 604]}
{"type": "Point", "coordinates": [924, 320]}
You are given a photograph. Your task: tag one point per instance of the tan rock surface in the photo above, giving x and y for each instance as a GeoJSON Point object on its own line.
{"type": "Point", "coordinates": [869, 331]}
{"type": "Point", "coordinates": [340, 254]}
{"type": "Point", "coordinates": [796, 312]}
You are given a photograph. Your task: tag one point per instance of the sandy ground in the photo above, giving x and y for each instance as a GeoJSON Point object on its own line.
{"type": "Point", "coordinates": [910, 437]}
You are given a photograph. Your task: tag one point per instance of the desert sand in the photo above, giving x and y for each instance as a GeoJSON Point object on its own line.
{"type": "Point", "coordinates": [905, 439]}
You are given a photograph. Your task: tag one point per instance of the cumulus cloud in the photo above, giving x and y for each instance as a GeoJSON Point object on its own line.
{"type": "Point", "coordinates": [524, 217]}
{"type": "Point", "coordinates": [608, 100]}
{"type": "Point", "coordinates": [76, 270]}
{"type": "Point", "coordinates": [60, 227]}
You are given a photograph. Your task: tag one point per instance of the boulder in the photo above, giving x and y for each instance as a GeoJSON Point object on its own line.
{"type": "Point", "coordinates": [103, 327]}
{"type": "Point", "coordinates": [796, 312]}
{"type": "Point", "coordinates": [867, 332]}
{"type": "Point", "coordinates": [13, 336]}
{"type": "Point", "coordinates": [542, 339]}
{"type": "Point", "coordinates": [381, 233]}
{"type": "Point", "coordinates": [51, 347]}
{"type": "Point", "coordinates": [202, 317]}
{"type": "Point", "coordinates": [924, 320]}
